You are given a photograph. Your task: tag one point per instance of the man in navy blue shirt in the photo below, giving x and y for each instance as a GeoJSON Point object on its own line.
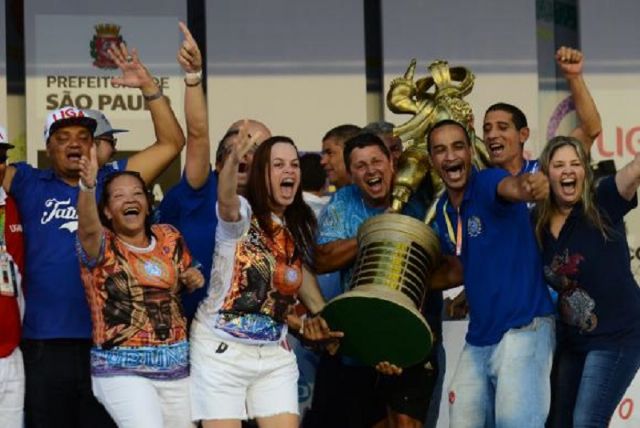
{"type": "Point", "coordinates": [57, 323]}
{"type": "Point", "coordinates": [190, 205]}
{"type": "Point", "coordinates": [502, 377]}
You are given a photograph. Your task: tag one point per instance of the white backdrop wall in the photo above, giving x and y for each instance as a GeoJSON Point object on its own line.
{"type": "Point", "coordinates": [297, 66]}
{"type": "Point", "coordinates": [60, 66]}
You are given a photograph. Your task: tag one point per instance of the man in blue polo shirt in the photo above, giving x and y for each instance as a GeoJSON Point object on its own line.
{"type": "Point", "coordinates": [502, 377]}
{"type": "Point", "coordinates": [57, 323]}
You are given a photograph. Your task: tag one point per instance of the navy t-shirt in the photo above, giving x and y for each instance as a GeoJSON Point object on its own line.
{"type": "Point", "coordinates": [193, 213]}
{"type": "Point", "coordinates": [56, 306]}
{"type": "Point", "coordinates": [501, 261]}
{"type": "Point", "coordinates": [599, 297]}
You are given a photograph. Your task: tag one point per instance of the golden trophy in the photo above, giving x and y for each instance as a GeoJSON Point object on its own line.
{"type": "Point", "coordinates": [429, 100]}
{"type": "Point", "coordinates": [380, 314]}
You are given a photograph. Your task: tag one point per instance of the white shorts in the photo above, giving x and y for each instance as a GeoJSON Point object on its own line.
{"type": "Point", "coordinates": [11, 390]}
{"type": "Point", "coordinates": [139, 402]}
{"type": "Point", "coordinates": [232, 380]}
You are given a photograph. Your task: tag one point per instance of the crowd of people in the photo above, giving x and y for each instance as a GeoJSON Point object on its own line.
{"type": "Point", "coordinates": [116, 313]}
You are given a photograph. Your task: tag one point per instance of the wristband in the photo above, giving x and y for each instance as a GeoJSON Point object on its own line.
{"type": "Point", "coordinates": [193, 79]}
{"type": "Point", "coordinates": [149, 98]}
{"type": "Point", "coordinates": [84, 188]}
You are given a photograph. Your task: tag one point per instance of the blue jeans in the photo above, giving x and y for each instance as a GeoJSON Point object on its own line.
{"type": "Point", "coordinates": [507, 384]}
{"type": "Point", "coordinates": [588, 385]}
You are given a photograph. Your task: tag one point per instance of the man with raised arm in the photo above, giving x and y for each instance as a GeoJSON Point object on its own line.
{"type": "Point", "coordinates": [190, 205]}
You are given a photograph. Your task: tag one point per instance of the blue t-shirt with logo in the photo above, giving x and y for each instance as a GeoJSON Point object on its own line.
{"type": "Point", "coordinates": [502, 264]}
{"type": "Point", "coordinates": [193, 213]}
{"type": "Point", "coordinates": [56, 306]}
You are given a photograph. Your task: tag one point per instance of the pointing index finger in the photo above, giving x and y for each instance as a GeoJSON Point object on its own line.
{"type": "Point", "coordinates": [185, 31]}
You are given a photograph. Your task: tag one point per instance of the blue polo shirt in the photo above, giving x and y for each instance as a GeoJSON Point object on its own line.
{"type": "Point", "coordinates": [594, 275]}
{"type": "Point", "coordinates": [193, 213]}
{"type": "Point", "coordinates": [56, 306]}
{"type": "Point", "coordinates": [502, 264]}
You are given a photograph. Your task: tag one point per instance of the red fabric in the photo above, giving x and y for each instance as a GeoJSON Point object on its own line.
{"type": "Point", "coordinates": [9, 311]}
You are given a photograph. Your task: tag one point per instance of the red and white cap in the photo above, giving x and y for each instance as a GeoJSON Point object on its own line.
{"type": "Point", "coordinates": [67, 116]}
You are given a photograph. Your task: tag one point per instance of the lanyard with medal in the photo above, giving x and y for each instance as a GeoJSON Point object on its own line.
{"type": "Point", "coordinates": [458, 235]}
{"type": "Point", "coordinates": [8, 283]}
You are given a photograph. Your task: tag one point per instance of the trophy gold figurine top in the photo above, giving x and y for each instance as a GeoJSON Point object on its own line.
{"type": "Point", "coordinates": [429, 100]}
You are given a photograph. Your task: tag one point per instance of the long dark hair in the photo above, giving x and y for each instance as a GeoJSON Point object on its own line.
{"type": "Point", "coordinates": [298, 216]}
{"type": "Point", "coordinates": [106, 194]}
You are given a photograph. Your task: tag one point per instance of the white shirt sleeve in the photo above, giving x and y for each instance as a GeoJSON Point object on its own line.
{"type": "Point", "coordinates": [232, 231]}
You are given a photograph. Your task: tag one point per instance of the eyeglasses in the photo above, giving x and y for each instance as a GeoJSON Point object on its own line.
{"type": "Point", "coordinates": [3, 158]}
{"type": "Point", "coordinates": [111, 140]}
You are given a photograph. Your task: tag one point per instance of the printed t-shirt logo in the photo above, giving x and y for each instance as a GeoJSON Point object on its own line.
{"type": "Point", "coordinates": [474, 226]}
{"type": "Point", "coordinates": [55, 209]}
{"type": "Point", "coordinates": [152, 269]}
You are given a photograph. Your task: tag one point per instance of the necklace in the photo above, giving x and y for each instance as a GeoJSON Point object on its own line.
{"type": "Point", "coordinates": [287, 276]}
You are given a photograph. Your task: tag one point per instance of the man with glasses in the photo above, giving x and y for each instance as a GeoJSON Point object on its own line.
{"type": "Point", "coordinates": [106, 141]}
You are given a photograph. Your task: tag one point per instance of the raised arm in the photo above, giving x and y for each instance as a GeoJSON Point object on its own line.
{"type": "Point", "coordinates": [153, 160]}
{"type": "Point", "coordinates": [228, 200]}
{"type": "Point", "coordinates": [89, 227]}
{"type": "Point", "coordinates": [628, 179]}
{"type": "Point", "coordinates": [524, 188]}
{"type": "Point", "coordinates": [335, 255]}
{"type": "Point", "coordinates": [571, 63]}
{"type": "Point", "coordinates": [197, 166]}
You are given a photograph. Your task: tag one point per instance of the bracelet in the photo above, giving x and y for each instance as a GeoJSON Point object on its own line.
{"type": "Point", "coordinates": [84, 188]}
{"type": "Point", "coordinates": [191, 85]}
{"type": "Point", "coordinates": [301, 331]}
{"type": "Point", "coordinates": [149, 98]}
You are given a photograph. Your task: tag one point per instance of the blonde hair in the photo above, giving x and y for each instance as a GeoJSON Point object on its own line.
{"type": "Point", "coordinates": [544, 210]}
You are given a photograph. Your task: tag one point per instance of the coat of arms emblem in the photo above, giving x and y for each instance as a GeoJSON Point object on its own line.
{"type": "Point", "coordinates": [106, 35]}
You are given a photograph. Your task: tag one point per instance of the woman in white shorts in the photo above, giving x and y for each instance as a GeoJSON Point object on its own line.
{"type": "Point", "coordinates": [241, 364]}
